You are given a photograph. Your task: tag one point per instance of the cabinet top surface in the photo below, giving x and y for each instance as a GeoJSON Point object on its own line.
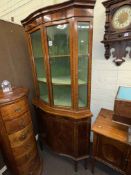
{"type": "Point", "coordinates": [106, 127]}
{"type": "Point", "coordinates": [15, 94]}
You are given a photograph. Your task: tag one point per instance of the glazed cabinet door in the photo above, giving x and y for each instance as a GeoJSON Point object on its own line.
{"type": "Point", "coordinates": [83, 62]}
{"type": "Point", "coordinates": [112, 152]}
{"type": "Point", "coordinates": [39, 66]}
{"type": "Point", "coordinates": [58, 37]}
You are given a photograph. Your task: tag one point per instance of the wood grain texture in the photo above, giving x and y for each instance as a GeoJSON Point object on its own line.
{"type": "Point", "coordinates": [110, 144]}
{"type": "Point", "coordinates": [67, 129]}
{"type": "Point", "coordinates": [119, 39]}
{"type": "Point", "coordinates": [106, 127]}
{"type": "Point", "coordinates": [122, 111]}
{"type": "Point", "coordinates": [16, 132]}
{"type": "Point", "coordinates": [64, 135]}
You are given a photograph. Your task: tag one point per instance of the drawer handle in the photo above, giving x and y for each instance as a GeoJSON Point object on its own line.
{"type": "Point", "coordinates": [18, 110]}
{"type": "Point", "coordinates": [23, 136]}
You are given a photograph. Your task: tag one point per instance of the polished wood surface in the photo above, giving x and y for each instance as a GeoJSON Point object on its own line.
{"type": "Point", "coordinates": [71, 12]}
{"type": "Point", "coordinates": [119, 39]}
{"type": "Point", "coordinates": [122, 110]}
{"type": "Point", "coordinates": [59, 11]}
{"type": "Point", "coordinates": [18, 123]}
{"type": "Point", "coordinates": [106, 127]}
{"type": "Point", "coordinates": [65, 136]}
{"type": "Point", "coordinates": [67, 129]}
{"type": "Point", "coordinates": [110, 144]}
{"type": "Point", "coordinates": [18, 142]}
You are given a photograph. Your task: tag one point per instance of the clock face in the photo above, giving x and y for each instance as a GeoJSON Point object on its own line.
{"type": "Point", "coordinates": [122, 17]}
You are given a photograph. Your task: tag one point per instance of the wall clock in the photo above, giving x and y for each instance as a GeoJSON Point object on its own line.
{"type": "Point", "coordinates": [117, 29]}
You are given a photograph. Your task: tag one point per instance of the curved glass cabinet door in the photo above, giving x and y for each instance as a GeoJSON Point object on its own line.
{"type": "Point", "coordinates": [39, 64]}
{"type": "Point", "coordinates": [59, 57]}
{"type": "Point", "coordinates": [83, 39]}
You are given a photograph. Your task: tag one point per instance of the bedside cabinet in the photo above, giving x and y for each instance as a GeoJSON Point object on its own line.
{"type": "Point", "coordinates": [18, 143]}
{"type": "Point", "coordinates": [110, 144]}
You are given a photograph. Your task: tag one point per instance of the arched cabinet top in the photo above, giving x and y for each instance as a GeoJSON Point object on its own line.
{"type": "Point", "coordinates": [68, 9]}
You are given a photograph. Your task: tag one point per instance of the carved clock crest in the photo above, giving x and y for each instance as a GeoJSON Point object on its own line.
{"type": "Point", "coordinates": [117, 29]}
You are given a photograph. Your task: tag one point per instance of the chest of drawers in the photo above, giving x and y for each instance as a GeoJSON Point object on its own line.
{"type": "Point", "coordinates": [17, 138]}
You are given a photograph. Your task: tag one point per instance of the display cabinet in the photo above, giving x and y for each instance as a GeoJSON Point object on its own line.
{"type": "Point", "coordinates": [60, 44]}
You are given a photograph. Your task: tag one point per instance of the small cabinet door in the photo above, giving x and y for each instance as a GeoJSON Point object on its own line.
{"type": "Point", "coordinates": [59, 133]}
{"type": "Point", "coordinates": [112, 152]}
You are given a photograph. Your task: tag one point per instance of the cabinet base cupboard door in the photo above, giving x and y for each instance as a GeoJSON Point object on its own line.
{"type": "Point", "coordinates": [17, 139]}
{"type": "Point", "coordinates": [60, 45]}
{"type": "Point", "coordinates": [65, 136]}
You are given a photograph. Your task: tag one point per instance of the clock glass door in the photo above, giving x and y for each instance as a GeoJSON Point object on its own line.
{"type": "Point", "coordinates": [122, 17]}
{"type": "Point", "coordinates": [83, 39]}
{"type": "Point", "coordinates": [39, 64]}
{"type": "Point", "coordinates": [59, 57]}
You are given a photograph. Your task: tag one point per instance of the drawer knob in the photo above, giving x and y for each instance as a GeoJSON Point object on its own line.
{"type": "Point", "coordinates": [18, 110]}
{"type": "Point", "coordinates": [23, 136]}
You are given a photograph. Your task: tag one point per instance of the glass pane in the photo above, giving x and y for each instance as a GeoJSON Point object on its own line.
{"type": "Point", "coordinates": [83, 35]}
{"type": "Point", "coordinates": [39, 63]}
{"type": "Point", "coordinates": [59, 55]}
{"type": "Point", "coordinates": [62, 95]}
{"type": "Point", "coordinates": [43, 91]}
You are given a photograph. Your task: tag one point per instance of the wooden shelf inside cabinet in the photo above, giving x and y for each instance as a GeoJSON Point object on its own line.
{"type": "Point", "coordinates": [62, 102]}
{"type": "Point", "coordinates": [59, 56]}
{"type": "Point", "coordinates": [65, 56]}
{"type": "Point", "coordinates": [62, 76]}
{"type": "Point", "coordinates": [62, 81]}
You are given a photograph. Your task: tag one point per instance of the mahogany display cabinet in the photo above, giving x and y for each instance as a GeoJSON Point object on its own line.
{"type": "Point", "coordinates": [60, 45]}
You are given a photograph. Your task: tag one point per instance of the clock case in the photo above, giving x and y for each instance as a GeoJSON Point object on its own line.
{"type": "Point", "coordinates": [119, 39]}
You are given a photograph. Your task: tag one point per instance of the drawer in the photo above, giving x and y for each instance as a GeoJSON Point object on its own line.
{"type": "Point", "coordinates": [26, 145]}
{"type": "Point", "coordinates": [14, 110]}
{"type": "Point", "coordinates": [18, 123]}
{"type": "Point", "coordinates": [31, 167]}
{"type": "Point", "coordinates": [27, 156]}
{"type": "Point", "coordinates": [19, 137]}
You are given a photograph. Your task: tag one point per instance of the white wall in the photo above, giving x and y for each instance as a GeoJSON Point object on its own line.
{"type": "Point", "coordinates": [106, 77]}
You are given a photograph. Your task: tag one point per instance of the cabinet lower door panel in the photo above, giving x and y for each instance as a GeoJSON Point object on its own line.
{"type": "Point", "coordinates": [111, 152]}
{"type": "Point", "coordinates": [64, 135]}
